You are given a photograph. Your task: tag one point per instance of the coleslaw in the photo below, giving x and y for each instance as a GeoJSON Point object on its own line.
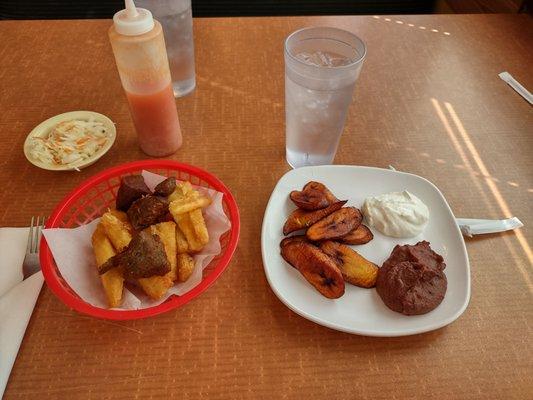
{"type": "Point", "coordinates": [70, 142]}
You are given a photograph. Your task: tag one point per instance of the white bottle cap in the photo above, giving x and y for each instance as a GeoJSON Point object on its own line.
{"type": "Point", "coordinates": [133, 21]}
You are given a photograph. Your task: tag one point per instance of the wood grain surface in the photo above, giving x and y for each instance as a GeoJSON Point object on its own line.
{"type": "Point", "coordinates": [428, 101]}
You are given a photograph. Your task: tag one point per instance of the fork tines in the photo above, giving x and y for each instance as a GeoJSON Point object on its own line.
{"type": "Point", "coordinates": [34, 237]}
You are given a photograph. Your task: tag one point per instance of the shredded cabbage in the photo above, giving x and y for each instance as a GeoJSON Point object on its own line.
{"type": "Point", "coordinates": [70, 142]}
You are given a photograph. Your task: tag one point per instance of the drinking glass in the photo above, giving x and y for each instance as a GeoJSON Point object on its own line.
{"type": "Point", "coordinates": [175, 16]}
{"type": "Point", "coordinates": [322, 65]}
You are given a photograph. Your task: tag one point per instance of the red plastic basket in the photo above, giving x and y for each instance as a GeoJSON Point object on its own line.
{"type": "Point", "coordinates": [95, 195]}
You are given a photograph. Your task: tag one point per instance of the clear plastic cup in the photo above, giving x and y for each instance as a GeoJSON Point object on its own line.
{"type": "Point", "coordinates": [175, 17]}
{"type": "Point", "coordinates": [321, 67]}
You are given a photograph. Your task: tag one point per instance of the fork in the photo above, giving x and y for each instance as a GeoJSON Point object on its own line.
{"type": "Point", "coordinates": [31, 261]}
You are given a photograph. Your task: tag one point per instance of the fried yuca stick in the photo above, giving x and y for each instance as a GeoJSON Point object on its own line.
{"type": "Point", "coordinates": [116, 230]}
{"type": "Point", "coordinates": [182, 189]}
{"type": "Point", "coordinates": [156, 286]}
{"type": "Point", "coordinates": [187, 204]}
{"type": "Point", "coordinates": [181, 241]}
{"type": "Point", "coordinates": [121, 216]}
{"type": "Point", "coordinates": [186, 225]}
{"type": "Point", "coordinates": [112, 280]}
{"type": "Point", "coordinates": [186, 211]}
{"type": "Point", "coordinates": [185, 267]}
{"type": "Point", "coordinates": [200, 229]}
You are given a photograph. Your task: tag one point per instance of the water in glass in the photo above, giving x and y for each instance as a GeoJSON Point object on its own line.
{"type": "Point", "coordinates": [315, 118]}
{"type": "Point", "coordinates": [175, 17]}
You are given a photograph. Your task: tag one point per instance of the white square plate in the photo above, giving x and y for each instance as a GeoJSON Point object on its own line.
{"type": "Point", "coordinates": [361, 311]}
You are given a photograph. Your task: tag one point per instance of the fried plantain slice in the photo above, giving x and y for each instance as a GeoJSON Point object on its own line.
{"type": "Point", "coordinates": [335, 225]}
{"type": "Point", "coordinates": [313, 196]}
{"type": "Point", "coordinates": [316, 267]}
{"type": "Point", "coordinates": [300, 219]}
{"type": "Point", "coordinates": [355, 269]}
{"type": "Point", "coordinates": [293, 239]}
{"type": "Point", "coordinates": [360, 235]}
{"type": "Point", "coordinates": [330, 197]}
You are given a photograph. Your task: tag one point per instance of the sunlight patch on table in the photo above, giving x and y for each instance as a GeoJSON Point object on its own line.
{"type": "Point", "coordinates": [492, 186]}
{"type": "Point", "coordinates": [489, 204]}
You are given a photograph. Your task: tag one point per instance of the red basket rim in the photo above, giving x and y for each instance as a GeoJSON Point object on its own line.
{"type": "Point", "coordinates": [81, 306]}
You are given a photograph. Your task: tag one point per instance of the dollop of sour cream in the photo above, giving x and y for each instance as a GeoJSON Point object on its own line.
{"type": "Point", "coordinates": [396, 214]}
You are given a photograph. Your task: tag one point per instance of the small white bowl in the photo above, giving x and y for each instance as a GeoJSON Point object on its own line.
{"type": "Point", "coordinates": [44, 128]}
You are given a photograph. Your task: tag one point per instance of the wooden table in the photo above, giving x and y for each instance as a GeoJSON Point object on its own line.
{"type": "Point", "coordinates": [429, 101]}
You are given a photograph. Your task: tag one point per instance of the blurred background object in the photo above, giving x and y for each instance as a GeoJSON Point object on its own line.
{"type": "Point", "coordinates": [68, 9]}
{"type": "Point", "coordinates": [175, 17]}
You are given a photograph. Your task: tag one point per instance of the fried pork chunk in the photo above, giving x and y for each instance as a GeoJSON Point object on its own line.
{"type": "Point", "coordinates": [144, 257]}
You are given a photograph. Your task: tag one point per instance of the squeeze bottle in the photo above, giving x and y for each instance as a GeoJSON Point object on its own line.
{"type": "Point", "coordinates": [142, 63]}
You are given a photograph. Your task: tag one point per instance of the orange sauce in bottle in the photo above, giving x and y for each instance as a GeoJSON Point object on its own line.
{"type": "Point", "coordinates": [156, 120]}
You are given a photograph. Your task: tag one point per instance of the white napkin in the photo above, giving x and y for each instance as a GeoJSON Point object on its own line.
{"type": "Point", "coordinates": [17, 298]}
